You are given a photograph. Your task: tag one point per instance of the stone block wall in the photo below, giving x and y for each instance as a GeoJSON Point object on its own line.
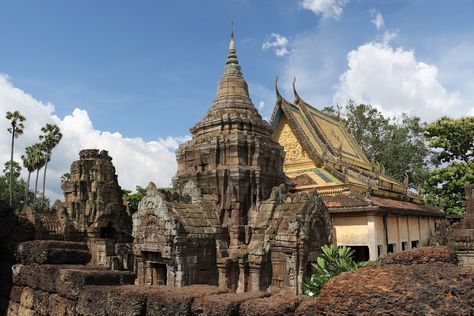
{"type": "Point", "coordinates": [46, 283]}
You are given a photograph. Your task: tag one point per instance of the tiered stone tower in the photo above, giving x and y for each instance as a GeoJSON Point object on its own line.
{"type": "Point", "coordinates": [232, 157]}
{"type": "Point", "coordinates": [94, 206]}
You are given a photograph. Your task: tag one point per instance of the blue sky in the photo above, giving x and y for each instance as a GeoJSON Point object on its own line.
{"type": "Point", "coordinates": [141, 73]}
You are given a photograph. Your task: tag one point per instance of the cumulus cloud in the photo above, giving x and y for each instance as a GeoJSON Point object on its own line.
{"type": "Point", "coordinates": [325, 8]}
{"type": "Point", "coordinates": [278, 43]}
{"type": "Point", "coordinates": [395, 81]}
{"type": "Point", "coordinates": [137, 162]}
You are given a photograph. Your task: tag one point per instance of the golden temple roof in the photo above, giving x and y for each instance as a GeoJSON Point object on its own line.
{"type": "Point", "coordinates": [318, 144]}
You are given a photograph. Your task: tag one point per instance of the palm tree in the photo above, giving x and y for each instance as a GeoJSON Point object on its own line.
{"type": "Point", "coordinates": [16, 129]}
{"type": "Point", "coordinates": [38, 160]}
{"type": "Point", "coordinates": [51, 137]}
{"type": "Point", "coordinates": [28, 163]}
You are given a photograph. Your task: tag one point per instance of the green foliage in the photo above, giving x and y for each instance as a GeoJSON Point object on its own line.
{"type": "Point", "coordinates": [453, 139]}
{"type": "Point", "coordinates": [452, 143]}
{"type": "Point", "coordinates": [18, 191]}
{"type": "Point", "coordinates": [65, 177]}
{"type": "Point", "coordinates": [16, 120]}
{"type": "Point", "coordinates": [16, 168]}
{"type": "Point", "coordinates": [134, 198]}
{"type": "Point", "coordinates": [333, 261]}
{"type": "Point", "coordinates": [397, 144]}
{"type": "Point", "coordinates": [445, 186]}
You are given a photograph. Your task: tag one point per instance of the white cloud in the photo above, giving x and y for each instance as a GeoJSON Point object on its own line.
{"type": "Point", "coordinates": [377, 19]}
{"type": "Point", "coordinates": [261, 104]}
{"type": "Point", "coordinates": [278, 43]}
{"type": "Point", "coordinates": [325, 8]}
{"type": "Point", "coordinates": [395, 81]}
{"type": "Point", "coordinates": [137, 162]}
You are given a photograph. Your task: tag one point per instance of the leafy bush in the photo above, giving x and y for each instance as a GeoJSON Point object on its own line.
{"type": "Point", "coordinates": [333, 261]}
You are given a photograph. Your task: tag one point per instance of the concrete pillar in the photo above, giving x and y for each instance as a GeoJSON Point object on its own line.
{"type": "Point", "coordinates": [372, 242]}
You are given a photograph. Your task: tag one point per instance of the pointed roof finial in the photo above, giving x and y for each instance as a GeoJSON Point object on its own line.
{"type": "Point", "coordinates": [232, 63]}
{"type": "Point", "coordinates": [276, 89]}
{"type": "Point", "coordinates": [297, 97]}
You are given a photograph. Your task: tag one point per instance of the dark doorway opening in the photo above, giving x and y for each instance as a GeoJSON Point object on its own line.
{"type": "Point", "coordinates": [158, 273]}
{"type": "Point", "coordinates": [361, 253]}
{"type": "Point", "coordinates": [107, 232]}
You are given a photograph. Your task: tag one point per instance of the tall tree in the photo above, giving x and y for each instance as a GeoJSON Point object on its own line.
{"type": "Point", "coordinates": [38, 158]}
{"type": "Point", "coordinates": [452, 143]}
{"type": "Point", "coordinates": [397, 144]}
{"type": "Point", "coordinates": [16, 129]}
{"type": "Point", "coordinates": [50, 138]}
{"type": "Point", "coordinates": [28, 163]}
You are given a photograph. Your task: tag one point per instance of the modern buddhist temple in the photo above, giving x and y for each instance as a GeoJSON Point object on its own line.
{"type": "Point", "coordinates": [370, 211]}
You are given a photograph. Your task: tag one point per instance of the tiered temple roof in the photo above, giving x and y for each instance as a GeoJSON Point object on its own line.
{"type": "Point", "coordinates": [321, 154]}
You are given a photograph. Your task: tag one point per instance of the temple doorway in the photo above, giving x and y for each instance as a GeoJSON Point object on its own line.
{"type": "Point", "coordinates": [158, 273]}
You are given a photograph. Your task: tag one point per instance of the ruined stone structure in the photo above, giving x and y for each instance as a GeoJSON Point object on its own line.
{"type": "Point", "coordinates": [231, 156]}
{"type": "Point", "coordinates": [370, 211]}
{"type": "Point", "coordinates": [171, 236]}
{"type": "Point", "coordinates": [460, 235]}
{"type": "Point", "coordinates": [231, 221]}
{"type": "Point", "coordinates": [93, 203]}
{"type": "Point", "coordinates": [92, 212]}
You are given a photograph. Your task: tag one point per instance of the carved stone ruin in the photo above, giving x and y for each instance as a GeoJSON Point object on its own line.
{"type": "Point", "coordinates": [93, 212]}
{"type": "Point", "coordinates": [231, 221]}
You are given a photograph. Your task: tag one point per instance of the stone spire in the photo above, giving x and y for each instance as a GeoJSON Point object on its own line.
{"type": "Point", "coordinates": [232, 67]}
{"type": "Point", "coordinates": [231, 156]}
{"type": "Point", "coordinates": [232, 83]}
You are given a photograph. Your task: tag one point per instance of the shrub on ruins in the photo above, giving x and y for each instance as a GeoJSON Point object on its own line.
{"type": "Point", "coordinates": [133, 198]}
{"type": "Point", "coordinates": [333, 261]}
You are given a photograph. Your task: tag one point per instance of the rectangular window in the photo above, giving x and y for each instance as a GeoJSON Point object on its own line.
{"type": "Point", "coordinates": [414, 244]}
{"type": "Point", "coordinates": [391, 248]}
{"type": "Point", "coordinates": [404, 245]}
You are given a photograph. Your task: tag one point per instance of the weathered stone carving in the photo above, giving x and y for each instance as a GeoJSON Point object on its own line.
{"type": "Point", "coordinates": [230, 220]}
{"type": "Point", "coordinates": [93, 211]}
{"type": "Point", "coordinates": [175, 243]}
{"type": "Point", "coordinates": [93, 197]}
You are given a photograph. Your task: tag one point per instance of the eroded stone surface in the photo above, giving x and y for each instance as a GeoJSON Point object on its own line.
{"type": "Point", "coordinates": [431, 288]}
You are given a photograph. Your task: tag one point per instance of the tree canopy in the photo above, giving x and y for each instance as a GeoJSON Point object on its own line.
{"type": "Point", "coordinates": [452, 143]}
{"type": "Point", "coordinates": [397, 144]}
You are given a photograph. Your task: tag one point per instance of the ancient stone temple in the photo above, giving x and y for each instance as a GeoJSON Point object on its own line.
{"type": "Point", "coordinates": [93, 203]}
{"type": "Point", "coordinates": [460, 236]}
{"type": "Point", "coordinates": [231, 156]}
{"type": "Point", "coordinates": [231, 220]}
{"type": "Point", "coordinates": [93, 211]}
{"type": "Point", "coordinates": [370, 211]}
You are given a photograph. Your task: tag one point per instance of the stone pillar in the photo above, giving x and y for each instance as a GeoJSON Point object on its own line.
{"type": "Point", "coordinates": [148, 273]}
{"type": "Point", "coordinates": [254, 278]}
{"type": "Point", "coordinates": [140, 271]}
{"type": "Point", "coordinates": [372, 242]}
{"type": "Point", "coordinates": [242, 285]}
{"type": "Point", "coordinates": [222, 277]}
